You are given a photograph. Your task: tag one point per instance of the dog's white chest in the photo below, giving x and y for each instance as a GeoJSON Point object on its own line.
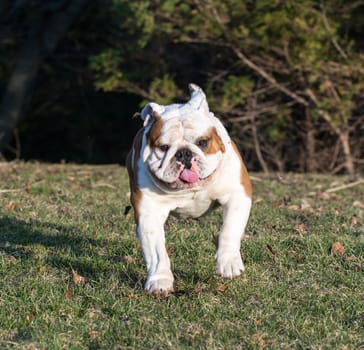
{"type": "Point", "coordinates": [194, 205]}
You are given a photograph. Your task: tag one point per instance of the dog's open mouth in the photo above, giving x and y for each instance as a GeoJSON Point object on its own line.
{"type": "Point", "coordinates": [187, 179]}
{"type": "Point", "coordinates": [189, 175]}
{"type": "Point", "coordinates": [181, 183]}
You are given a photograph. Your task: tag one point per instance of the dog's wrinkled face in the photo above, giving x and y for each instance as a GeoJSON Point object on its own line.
{"type": "Point", "coordinates": [183, 148]}
{"type": "Point", "coordinates": [183, 154]}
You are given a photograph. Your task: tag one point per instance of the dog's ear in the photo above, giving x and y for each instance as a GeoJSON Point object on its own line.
{"type": "Point", "coordinates": [151, 112]}
{"type": "Point", "coordinates": [198, 98]}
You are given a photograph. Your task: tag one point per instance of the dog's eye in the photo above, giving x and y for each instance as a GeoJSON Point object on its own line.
{"type": "Point", "coordinates": [203, 143]}
{"type": "Point", "coordinates": [164, 148]}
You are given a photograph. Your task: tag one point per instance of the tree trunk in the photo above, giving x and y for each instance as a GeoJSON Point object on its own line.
{"type": "Point", "coordinates": [344, 139]}
{"type": "Point", "coordinates": [40, 43]}
{"type": "Point", "coordinates": [257, 148]}
{"type": "Point", "coordinates": [311, 163]}
{"type": "Point", "coordinates": [341, 131]}
{"type": "Point", "coordinates": [18, 90]}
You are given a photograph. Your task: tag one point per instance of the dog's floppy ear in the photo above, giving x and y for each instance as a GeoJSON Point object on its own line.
{"type": "Point", "coordinates": [151, 112]}
{"type": "Point", "coordinates": [198, 98]}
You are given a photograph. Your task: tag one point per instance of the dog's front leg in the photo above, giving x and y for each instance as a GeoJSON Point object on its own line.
{"type": "Point", "coordinates": [150, 231]}
{"type": "Point", "coordinates": [236, 209]}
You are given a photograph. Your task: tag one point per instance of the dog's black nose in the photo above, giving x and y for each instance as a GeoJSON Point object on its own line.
{"type": "Point", "coordinates": [184, 155]}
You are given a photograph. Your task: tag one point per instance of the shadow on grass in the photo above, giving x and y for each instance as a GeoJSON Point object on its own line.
{"type": "Point", "coordinates": [67, 248]}
{"type": "Point", "coordinates": [16, 233]}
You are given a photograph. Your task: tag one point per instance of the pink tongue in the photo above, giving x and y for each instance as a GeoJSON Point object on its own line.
{"type": "Point", "coordinates": [188, 176]}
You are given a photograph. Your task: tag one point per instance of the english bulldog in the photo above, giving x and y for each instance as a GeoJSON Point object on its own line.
{"type": "Point", "coordinates": [183, 162]}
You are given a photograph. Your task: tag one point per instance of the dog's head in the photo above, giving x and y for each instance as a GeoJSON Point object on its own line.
{"type": "Point", "coordinates": [183, 146]}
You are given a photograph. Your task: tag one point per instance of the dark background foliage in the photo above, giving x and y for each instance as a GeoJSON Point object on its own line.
{"type": "Point", "coordinates": [286, 77]}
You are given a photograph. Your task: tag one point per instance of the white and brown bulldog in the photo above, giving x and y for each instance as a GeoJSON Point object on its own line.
{"type": "Point", "coordinates": [182, 162]}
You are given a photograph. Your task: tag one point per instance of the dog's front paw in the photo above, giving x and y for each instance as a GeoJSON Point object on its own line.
{"type": "Point", "coordinates": [159, 284]}
{"type": "Point", "coordinates": [229, 264]}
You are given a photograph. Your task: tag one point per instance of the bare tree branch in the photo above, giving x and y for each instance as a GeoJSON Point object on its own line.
{"type": "Point", "coordinates": [261, 72]}
{"type": "Point", "coordinates": [329, 30]}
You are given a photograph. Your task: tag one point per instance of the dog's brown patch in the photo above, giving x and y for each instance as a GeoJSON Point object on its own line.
{"type": "Point", "coordinates": [155, 131]}
{"type": "Point", "coordinates": [215, 144]}
{"type": "Point", "coordinates": [136, 198]}
{"type": "Point", "coordinates": [132, 166]}
{"type": "Point", "coordinates": [244, 176]}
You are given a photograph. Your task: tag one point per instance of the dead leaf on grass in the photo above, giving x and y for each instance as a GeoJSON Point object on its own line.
{"type": "Point", "coordinates": [337, 248]}
{"type": "Point", "coordinates": [68, 294]}
{"type": "Point", "coordinates": [295, 255]}
{"type": "Point", "coordinates": [337, 212]}
{"type": "Point", "coordinates": [301, 228]}
{"type": "Point", "coordinates": [221, 288]}
{"type": "Point", "coordinates": [75, 186]}
{"type": "Point", "coordinates": [12, 206]}
{"type": "Point", "coordinates": [258, 322]}
{"type": "Point", "coordinates": [131, 296]}
{"type": "Point", "coordinates": [350, 259]}
{"type": "Point", "coordinates": [325, 196]}
{"type": "Point", "coordinates": [258, 200]}
{"type": "Point", "coordinates": [294, 207]}
{"type": "Point", "coordinates": [281, 202]}
{"type": "Point", "coordinates": [94, 334]}
{"type": "Point", "coordinates": [258, 339]}
{"type": "Point", "coordinates": [64, 211]}
{"type": "Point", "coordinates": [278, 203]}
{"type": "Point", "coordinates": [94, 314]}
{"type": "Point", "coordinates": [305, 205]}
{"type": "Point", "coordinates": [77, 279]}
{"type": "Point", "coordinates": [30, 317]}
{"type": "Point", "coordinates": [127, 259]}
{"type": "Point", "coordinates": [200, 288]}
{"type": "Point", "coordinates": [354, 220]}
{"type": "Point", "coordinates": [319, 211]}
{"type": "Point", "coordinates": [269, 249]}
{"type": "Point", "coordinates": [358, 204]}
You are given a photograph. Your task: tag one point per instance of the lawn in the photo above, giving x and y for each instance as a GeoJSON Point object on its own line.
{"type": "Point", "coordinates": [72, 272]}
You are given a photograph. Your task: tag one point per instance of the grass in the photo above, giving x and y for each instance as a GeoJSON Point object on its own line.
{"type": "Point", "coordinates": [72, 272]}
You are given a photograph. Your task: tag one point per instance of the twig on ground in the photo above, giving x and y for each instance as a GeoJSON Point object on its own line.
{"type": "Point", "coordinates": [343, 187]}
{"type": "Point", "coordinates": [102, 184]}
{"type": "Point", "coordinates": [9, 191]}
{"type": "Point", "coordinates": [255, 179]}
{"type": "Point", "coordinates": [338, 188]}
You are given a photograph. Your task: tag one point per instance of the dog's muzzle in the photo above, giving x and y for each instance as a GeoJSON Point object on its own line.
{"type": "Point", "coordinates": [184, 156]}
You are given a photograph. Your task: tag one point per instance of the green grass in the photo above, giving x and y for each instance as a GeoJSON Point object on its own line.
{"type": "Point", "coordinates": [59, 223]}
